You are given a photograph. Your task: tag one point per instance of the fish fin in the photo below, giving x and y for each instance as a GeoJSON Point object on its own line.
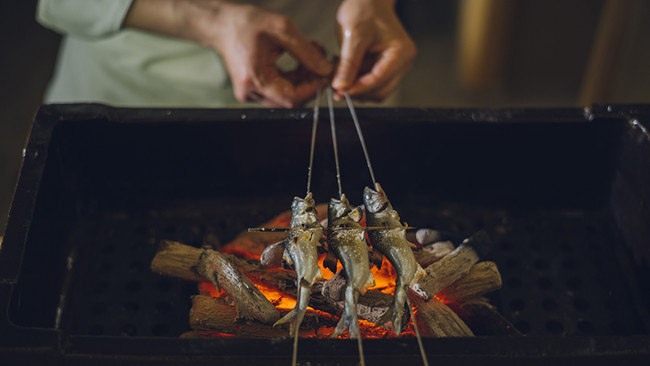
{"type": "Point", "coordinates": [272, 255]}
{"type": "Point", "coordinates": [348, 320]}
{"type": "Point", "coordinates": [355, 214]}
{"type": "Point", "coordinates": [330, 262]}
{"type": "Point", "coordinates": [370, 282]}
{"type": "Point", "coordinates": [287, 318]}
{"type": "Point", "coordinates": [287, 261]}
{"type": "Point", "coordinates": [420, 273]}
{"type": "Point", "coordinates": [302, 300]}
{"type": "Point", "coordinates": [395, 311]}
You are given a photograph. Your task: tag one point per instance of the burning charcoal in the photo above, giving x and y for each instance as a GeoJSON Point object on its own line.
{"type": "Point", "coordinates": [213, 314]}
{"type": "Point", "coordinates": [251, 303]}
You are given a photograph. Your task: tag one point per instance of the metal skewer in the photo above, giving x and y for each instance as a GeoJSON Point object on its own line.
{"type": "Point", "coordinates": [372, 176]}
{"type": "Point", "coordinates": [283, 228]}
{"type": "Point", "coordinates": [361, 139]}
{"type": "Point", "coordinates": [425, 362]}
{"type": "Point", "coordinates": [330, 105]}
{"type": "Point", "coordinates": [313, 138]}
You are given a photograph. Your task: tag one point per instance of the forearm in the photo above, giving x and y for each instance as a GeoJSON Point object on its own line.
{"type": "Point", "coordinates": [193, 20]}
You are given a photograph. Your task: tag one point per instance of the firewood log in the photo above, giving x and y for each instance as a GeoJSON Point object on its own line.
{"type": "Point", "coordinates": [177, 260]}
{"type": "Point", "coordinates": [483, 277]}
{"type": "Point", "coordinates": [214, 314]}
{"type": "Point", "coordinates": [436, 319]}
{"type": "Point", "coordinates": [432, 253]}
{"type": "Point", "coordinates": [182, 261]}
{"type": "Point", "coordinates": [451, 267]}
{"type": "Point", "coordinates": [251, 303]}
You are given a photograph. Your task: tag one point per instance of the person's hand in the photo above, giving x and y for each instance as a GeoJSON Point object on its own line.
{"type": "Point", "coordinates": [249, 39]}
{"type": "Point", "coordinates": [376, 51]}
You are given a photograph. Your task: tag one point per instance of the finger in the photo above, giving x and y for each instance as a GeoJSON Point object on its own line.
{"type": "Point", "coordinates": [389, 63]}
{"type": "Point", "coordinates": [279, 88]}
{"type": "Point", "coordinates": [380, 93]}
{"type": "Point", "coordinates": [290, 38]}
{"type": "Point", "coordinates": [353, 48]}
{"type": "Point", "coordinates": [306, 90]}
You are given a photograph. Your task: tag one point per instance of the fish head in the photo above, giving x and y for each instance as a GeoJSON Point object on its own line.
{"type": "Point", "coordinates": [303, 212]}
{"type": "Point", "coordinates": [376, 202]}
{"type": "Point", "coordinates": [340, 212]}
{"type": "Point", "coordinates": [338, 209]}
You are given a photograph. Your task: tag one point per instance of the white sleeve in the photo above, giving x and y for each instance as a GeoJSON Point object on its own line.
{"type": "Point", "coordinates": [83, 18]}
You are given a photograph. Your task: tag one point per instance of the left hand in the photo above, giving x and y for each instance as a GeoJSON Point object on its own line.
{"type": "Point", "coordinates": [376, 50]}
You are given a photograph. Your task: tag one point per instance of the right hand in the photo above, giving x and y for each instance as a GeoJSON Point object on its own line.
{"type": "Point", "coordinates": [250, 40]}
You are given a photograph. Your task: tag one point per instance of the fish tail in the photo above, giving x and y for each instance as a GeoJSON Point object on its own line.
{"type": "Point", "coordinates": [349, 318]}
{"type": "Point", "coordinates": [297, 314]}
{"type": "Point", "coordinates": [287, 318]}
{"type": "Point", "coordinates": [301, 308]}
{"type": "Point", "coordinates": [395, 310]}
{"type": "Point", "coordinates": [398, 308]}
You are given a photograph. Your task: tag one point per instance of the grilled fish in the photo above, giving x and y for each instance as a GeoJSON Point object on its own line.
{"type": "Point", "coordinates": [351, 249]}
{"type": "Point", "coordinates": [392, 243]}
{"type": "Point", "coordinates": [300, 253]}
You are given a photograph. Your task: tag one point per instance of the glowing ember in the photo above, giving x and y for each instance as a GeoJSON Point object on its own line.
{"type": "Point", "coordinates": [277, 298]}
{"type": "Point", "coordinates": [327, 274]}
{"type": "Point", "coordinates": [384, 277]}
{"type": "Point", "coordinates": [384, 281]}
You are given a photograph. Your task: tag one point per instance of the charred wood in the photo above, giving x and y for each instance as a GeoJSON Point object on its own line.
{"type": "Point", "coordinates": [483, 277]}
{"type": "Point", "coordinates": [217, 315]}
{"type": "Point", "coordinates": [432, 253]}
{"type": "Point", "coordinates": [251, 303]}
{"type": "Point", "coordinates": [182, 261]}
{"type": "Point", "coordinates": [448, 269]}
{"type": "Point", "coordinates": [436, 319]}
{"type": "Point", "coordinates": [177, 260]}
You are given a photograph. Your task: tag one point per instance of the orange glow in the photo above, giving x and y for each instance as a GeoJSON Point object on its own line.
{"type": "Point", "coordinates": [384, 281]}
{"type": "Point", "coordinates": [327, 274]}
{"type": "Point", "coordinates": [208, 289]}
{"type": "Point", "coordinates": [277, 298]}
{"type": "Point", "coordinates": [384, 277]}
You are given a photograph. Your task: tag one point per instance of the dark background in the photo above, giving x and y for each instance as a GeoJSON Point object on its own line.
{"type": "Point", "coordinates": [549, 48]}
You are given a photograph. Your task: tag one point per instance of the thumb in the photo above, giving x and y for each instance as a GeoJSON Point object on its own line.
{"type": "Point", "coordinates": [353, 48]}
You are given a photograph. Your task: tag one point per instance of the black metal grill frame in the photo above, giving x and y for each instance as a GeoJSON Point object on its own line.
{"type": "Point", "coordinates": [100, 186]}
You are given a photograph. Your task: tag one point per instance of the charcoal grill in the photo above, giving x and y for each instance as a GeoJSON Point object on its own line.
{"type": "Point", "coordinates": [564, 194]}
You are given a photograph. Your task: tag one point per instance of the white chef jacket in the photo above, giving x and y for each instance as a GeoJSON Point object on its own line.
{"type": "Point", "coordinates": [100, 61]}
